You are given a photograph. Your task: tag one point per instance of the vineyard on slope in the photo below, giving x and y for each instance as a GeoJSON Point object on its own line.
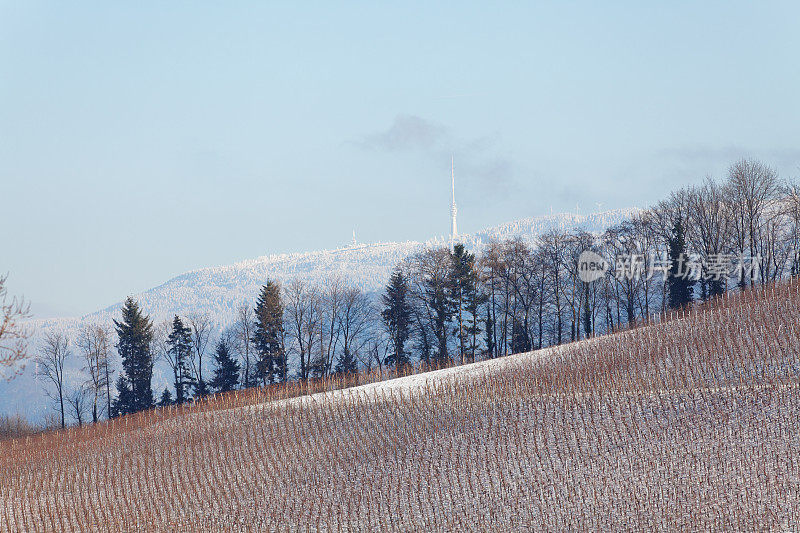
{"type": "Point", "coordinates": [691, 423]}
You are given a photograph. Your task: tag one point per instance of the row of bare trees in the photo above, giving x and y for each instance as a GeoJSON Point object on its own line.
{"type": "Point", "coordinates": [87, 391]}
{"type": "Point", "coordinates": [744, 230]}
{"type": "Point", "coordinates": [325, 328]}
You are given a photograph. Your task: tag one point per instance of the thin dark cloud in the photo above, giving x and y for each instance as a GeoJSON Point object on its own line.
{"type": "Point", "coordinates": [407, 132]}
{"type": "Point", "coordinates": [497, 171]}
{"type": "Point", "coordinates": [479, 160]}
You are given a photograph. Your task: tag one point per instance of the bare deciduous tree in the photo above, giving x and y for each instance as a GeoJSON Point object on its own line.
{"type": "Point", "coordinates": [302, 311]}
{"type": "Point", "coordinates": [161, 347]}
{"type": "Point", "coordinates": [521, 278]}
{"type": "Point", "coordinates": [711, 216]}
{"type": "Point", "coordinates": [329, 330]}
{"type": "Point", "coordinates": [492, 267]}
{"type": "Point", "coordinates": [792, 212]}
{"type": "Point", "coordinates": [243, 335]}
{"type": "Point", "coordinates": [200, 325]}
{"type": "Point", "coordinates": [13, 336]}
{"type": "Point", "coordinates": [50, 366]}
{"type": "Point", "coordinates": [375, 352]}
{"type": "Point", "coordinates": [754, 188]}
{"type": "Point", "coordinates": [356, 317]}
{"type": "Point", "coordinates": [554, 252]}
{"type": "Point", "coordinates": [429, 278]}
{"type": "Point", "coordinates": [78, 401]}
{"type": "Point", "coordinates": [94, 342]}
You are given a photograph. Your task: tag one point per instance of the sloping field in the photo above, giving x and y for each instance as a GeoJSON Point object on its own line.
{"type": "Point", "coordinates": [692, 424]}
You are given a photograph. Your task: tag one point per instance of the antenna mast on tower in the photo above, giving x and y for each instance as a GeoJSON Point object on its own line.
{"type": "Point", "coordinates": [453, 209]}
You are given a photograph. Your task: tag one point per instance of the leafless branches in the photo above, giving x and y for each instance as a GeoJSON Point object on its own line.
{"type": "Point", "coordinates": [13, 335]}
{"type": "Point", "coordinates": [50, 367]}
{"type": "Point", "coordinates": [78, 401]}
{"type": "Point", "coordinates": [201, 326]}
{"type": "Point", "coordinates": [303, 309]}
{"type": "Point", "coordinates": [243, 334]}
{"type": "Point", "coordinates": [94, 343]}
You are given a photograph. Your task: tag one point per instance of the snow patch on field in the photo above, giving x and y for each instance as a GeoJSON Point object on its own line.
{"type": "Point", "coordinates": [423, 381]}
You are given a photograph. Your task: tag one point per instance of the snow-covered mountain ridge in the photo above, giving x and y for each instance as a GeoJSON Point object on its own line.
{"type": "Point", "coordinates": [219, 291]}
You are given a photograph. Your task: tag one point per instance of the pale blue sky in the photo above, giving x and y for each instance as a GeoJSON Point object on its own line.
{"type": "Point", "coordinates": [139, 140]}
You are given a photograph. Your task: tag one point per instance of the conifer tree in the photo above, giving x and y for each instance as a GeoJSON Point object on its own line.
{"type": "Point", "coordinates": [397, 319]}
{"type": "Point", "coordinates": [166, 398]}
{"type": "Point", "coordinates": [179, 346]}
{"type": "Point", "coordinates": [678, 283]}
{"type": "Point", "coordinates": [201, 388]}
{"type": "Point", "coordinates": [465, 299]}
{"type": "Point", "coordinates": [346, 364]}
{"type": "Point", "coordinates": [135, 332]}
{"type": "Point", "coordinates": [474, 299]}
{"type": "Point", "coordinates": [226, 371]}
{"type": "Point", "coordinates": [121, 404]}
{"type": "Point", "coordinates": [268, 334]}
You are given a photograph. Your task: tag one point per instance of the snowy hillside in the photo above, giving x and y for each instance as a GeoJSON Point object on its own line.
{"type": "Point", "coordinates": [219, 291]}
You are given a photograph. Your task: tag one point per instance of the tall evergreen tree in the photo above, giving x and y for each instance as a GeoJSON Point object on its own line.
{"type": "Point", "coordinates": [268, 334]}
{"type": "Point", "coordinates": [465, 301]}
{"type": "Point", "coordinates": [135, 332]}
{"type": "Point", "coordinates": [226, 371]}
{"type": "Point", "coordinates": [474, 300]}
{"type": "Point", "coordinates": [180, 347]}
{"type": "Point", "coordinates": [121, 404]}
{"type": "Point", "coordinates": [678, 283]}
{"type": "Point", "coordinates": [397, 319]}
